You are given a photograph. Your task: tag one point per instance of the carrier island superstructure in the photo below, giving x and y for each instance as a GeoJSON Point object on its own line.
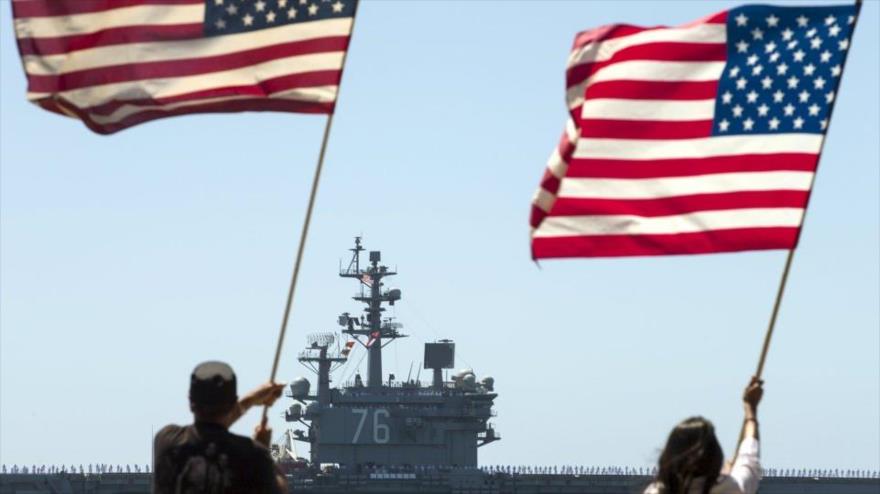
{"type": "Point", "coordinates": [387, 421]}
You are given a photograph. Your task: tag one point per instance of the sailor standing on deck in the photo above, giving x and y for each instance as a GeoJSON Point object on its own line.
{"type": "Point", "coordinates": [691, 462]}
{"type": "Point", "coordinates": [204, 457]}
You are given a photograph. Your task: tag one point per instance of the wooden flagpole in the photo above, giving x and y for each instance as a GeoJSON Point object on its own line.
{"type": "Point", "coordinates": [782, 282]}
{"type": "Point", "coordinates": [288, 307]}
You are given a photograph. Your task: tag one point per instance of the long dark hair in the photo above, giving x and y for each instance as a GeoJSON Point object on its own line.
{"type": "Point", "coordinates": [692, 451]}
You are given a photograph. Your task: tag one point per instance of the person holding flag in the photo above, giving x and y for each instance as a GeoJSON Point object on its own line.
{"type": "Point", "coordinates": [695, 139]}
{"type": "Point", "coordinates": [692, 460]}
{"type": "Point", "coordinates": [205, 456]}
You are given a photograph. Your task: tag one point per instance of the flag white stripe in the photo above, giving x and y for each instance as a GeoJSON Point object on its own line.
{"type": "Point", "coordinates": [562, 226]}
{"type": "Point", "coordinates": [656, 188]}
{"type": "Point", "coordinates": [556, 165]}
{"type": "Point", "coordinates": [646, 70]}
{"type": "Point", "coordinates": [161, 51]}
{"type": "Point", "coordinates": [704, 147]}
{"type": "Point", "coordinates": [631, 109]}
{"type": "Point", "coordinates": [599, 51]}
{"type": "Point", "coordinates": [139, 15]}
{"type": "Point", "coordinates": [174, 86]}
{"type": "Point", "coordinates": [320, 93]}
{"type": "Point", "coordinates": [543, 199]}
{"type": "Point", "coordinates": [659, 70]}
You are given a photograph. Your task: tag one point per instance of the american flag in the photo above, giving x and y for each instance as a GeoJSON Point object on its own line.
{"type": "Point", "coordinates": [117, 63]}
{"type": "Point", "coordinates": [374, 337]}
{"type": "Point", "coordinates": [693, 139]}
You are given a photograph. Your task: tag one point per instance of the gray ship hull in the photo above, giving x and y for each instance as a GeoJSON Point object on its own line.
{"type": "Point", "coordinates": [451, 482]}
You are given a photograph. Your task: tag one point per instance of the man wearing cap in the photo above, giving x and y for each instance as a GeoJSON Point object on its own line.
{"type": "Point", "coordinates": [205, 457]}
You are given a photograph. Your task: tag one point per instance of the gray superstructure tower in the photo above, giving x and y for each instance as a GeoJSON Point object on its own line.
{"type": "Point", "coordinates": [388, 421]}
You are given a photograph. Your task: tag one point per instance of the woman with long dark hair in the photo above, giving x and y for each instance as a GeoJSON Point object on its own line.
{"type": "Point", "coordinates": [691, 462]}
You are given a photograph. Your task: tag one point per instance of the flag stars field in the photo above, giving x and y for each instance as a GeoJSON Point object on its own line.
{"type": "Point", "coordinates": [266, 13]}
{"type": "Point", "coordinates": [779, 52]}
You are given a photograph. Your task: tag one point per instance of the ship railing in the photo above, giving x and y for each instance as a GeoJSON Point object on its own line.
{"type": "Point", "coordinates": [782, 473]}
{"type": "Point", "coordinates": [427, 472]}
{"type": "Point", "coordinates": [412, 384]}
{"type": "Point", "coordinates": [422, 471]}
{"type": "Point", "coordinates": [85, 470]}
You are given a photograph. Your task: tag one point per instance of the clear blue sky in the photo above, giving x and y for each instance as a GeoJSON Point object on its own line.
{"type": "Point", "coordinates": [128, 259]}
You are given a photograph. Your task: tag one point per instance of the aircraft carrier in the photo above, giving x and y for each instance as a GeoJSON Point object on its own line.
{"type": "Point", "coordinates": [386, 434]}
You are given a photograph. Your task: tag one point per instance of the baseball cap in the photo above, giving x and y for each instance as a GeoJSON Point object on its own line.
{"type": "Point", "coordinates": [212, 383]}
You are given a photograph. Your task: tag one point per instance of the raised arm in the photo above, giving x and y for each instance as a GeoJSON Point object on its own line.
{"type": "Point", "coordinates": [751, 397]}
{"type": "Point", "coordinates": [746, 470]}
{"type": "Point", "coordinates": [265, 394]}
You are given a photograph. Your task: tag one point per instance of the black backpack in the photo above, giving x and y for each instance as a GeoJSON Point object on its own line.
{"type": "Point", "coordinates": [201, 469]}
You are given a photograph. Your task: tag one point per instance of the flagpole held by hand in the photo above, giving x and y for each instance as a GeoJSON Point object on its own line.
{"type": "Point", "coordinates": [288, 307]}
{"type": "Point", "coordinates": [788, 260]}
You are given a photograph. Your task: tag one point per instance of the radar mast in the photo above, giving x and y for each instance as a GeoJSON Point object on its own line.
{"type": "Point", "coordinates": [373, 326]}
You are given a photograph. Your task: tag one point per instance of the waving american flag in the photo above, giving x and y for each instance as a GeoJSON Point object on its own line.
{"type": "Point", "coordinates": [692, 139]}
{"type": "Point", "coordinates": [117, 63]}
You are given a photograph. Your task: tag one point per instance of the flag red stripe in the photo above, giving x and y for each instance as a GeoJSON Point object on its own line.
{"type": "Point", "coordinates": [181, 68]}
{"type": "Point", "coordinates": [52, 8]}
{"type": "Point", "coordinates": [549, 182]}
{"type": "Point", "coordinates": [712, 241]}
{"type": "Point", "coordinates": [645, 129]}
{"type": "Point", "coordinates": [109, 37]}
{"type": "Point", "coordinates": [255, 104]}
{"type": "Point", "coordinates": [670, 206]}
{"type": "Point", "coordinates": [263, 89]}
{"type": "Point", "coordinates": [537, 216]}
{"type": "Point", "coordinates": [50, 105]}
{"type": "Point", "coordinates": [684, 90]}
{"type": "Point", "coordinates": [663, 51]}
{"type": "Point", "coordinates": [597, 168]}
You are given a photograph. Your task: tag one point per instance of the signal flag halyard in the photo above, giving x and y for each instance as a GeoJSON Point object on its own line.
{"type": "Point", "coordinates": [117, 63]}
{"type": "Point", "coordinates": [693, 139]}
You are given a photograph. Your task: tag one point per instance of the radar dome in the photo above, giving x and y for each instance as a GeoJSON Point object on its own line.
{"type": "Point", "coordinates": [299, 388]}
{"type": "Point", "coordinates": [463, 372]}
{"type": "Point", "coordinates": [469, 380]}
{"type": "Point", "coordinates": [488, 383]}
{"type": "Point", "coordinates": [294, 412]}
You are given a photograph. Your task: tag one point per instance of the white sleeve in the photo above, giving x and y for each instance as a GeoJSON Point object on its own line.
{"type": "Point", "coordinates": [746, 470]}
